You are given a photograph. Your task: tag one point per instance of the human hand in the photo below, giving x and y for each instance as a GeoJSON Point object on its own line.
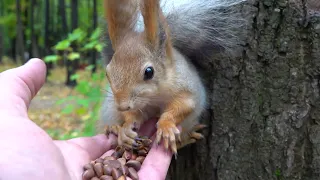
{"type": "Point", "coordinates": [28, 152]}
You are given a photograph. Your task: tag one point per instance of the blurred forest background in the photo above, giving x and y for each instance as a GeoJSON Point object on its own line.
{"type": "Point", "coordinates": [66, 35]}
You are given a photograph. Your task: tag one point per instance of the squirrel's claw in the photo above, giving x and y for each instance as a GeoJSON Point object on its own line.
{"type": "Point", "coordinates": [168, 132]}
{"type": "Point", "coordinates": [192, 136]}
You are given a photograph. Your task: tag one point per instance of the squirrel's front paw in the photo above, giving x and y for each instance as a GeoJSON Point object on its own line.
{"type": "Point", "coordinates": [114, 129]}
{"type": "Point", "coordinates": [168, 131]}
{"type": "Point", "coordinates": [127, 135]}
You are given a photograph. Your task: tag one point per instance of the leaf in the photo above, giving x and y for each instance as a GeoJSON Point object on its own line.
{"type": "Point", "coordinates": [61, 101]}
{"type": "Point", "coordinates": [81, 111]}
{"type": "Point", "coordinates": [83, 102]}
{"type": "Point", "coordinates": [96, 34]}
{"type": "Point", "coordinates": [90, 67]}
{"type": "Point", "coordinates": [68, 109]}
{"type": "Point", "coordinates": [52, 58]}
{"type": "Point", "coordinates": [62, 45]}
{"type": "Point", "coordinates": [90, 45]}
{"type": "Point", "coordinates": [99, 47]}
{"type": "Point", "coordinates": [83, 87]}
{"type": "Point", "coordinates": [74, 77]}
{"type": "Point", "coordinates": [77, 35]}
{"type": "Point", "coordinates": [73, 56]}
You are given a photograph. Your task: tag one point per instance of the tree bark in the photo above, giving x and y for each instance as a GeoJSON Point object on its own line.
{"type": "Point", "coordinates": [72, 65]}
{"type": "Point", "coordinates": [19, 30]}
{"type": "Point", "coordinates": [264, 106]}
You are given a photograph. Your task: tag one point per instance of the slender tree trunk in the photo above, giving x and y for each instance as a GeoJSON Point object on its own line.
{"type": "Point", "coordinates": [19, 30]}
{"type": "Point", "coordinates": [2, 50]}
{"type": "Point", "coordinates": [264, 106]}
{"type": "Point", "coordinates": [64, 25]}
{"type": "Point", "coordinates": [71, 65]}
{"type": "Point", "coordinates": [63, 17]}
{"type": "Point", "coordinates": [47, 34]}
{"type": "Point", "coordinates": [13, 50]}
{"type": "Point", "coordinates": [95, 25]}
{"type": "Point", "coordinates": [33, 45]}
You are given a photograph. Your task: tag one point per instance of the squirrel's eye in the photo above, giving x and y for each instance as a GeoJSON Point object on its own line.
{"type": "Point", "coordinates": [148, 73]}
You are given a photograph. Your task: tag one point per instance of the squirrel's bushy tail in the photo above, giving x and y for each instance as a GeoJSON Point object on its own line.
{"type": "Point", "coordinates": [211, 25]}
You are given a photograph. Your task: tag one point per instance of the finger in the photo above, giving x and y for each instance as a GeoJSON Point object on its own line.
{"type": "Point", "coordinates": [156, 164]}
{"type": "Point", "coordinates": [148, 128]}
{"type": "Point", "coordinates": [20, 85]}
{"type": "Point", "coordinates": [97, 145]}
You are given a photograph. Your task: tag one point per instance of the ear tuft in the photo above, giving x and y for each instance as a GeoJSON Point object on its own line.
{"type": "Point", "coordinates": [121, 17]}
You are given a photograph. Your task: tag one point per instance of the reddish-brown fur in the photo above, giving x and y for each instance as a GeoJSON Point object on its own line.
{"type": "Point", "coordinates": [119, 25]}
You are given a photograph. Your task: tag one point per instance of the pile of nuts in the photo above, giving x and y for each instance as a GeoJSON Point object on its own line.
{"type": "Point", "coordinates": [121, 164]}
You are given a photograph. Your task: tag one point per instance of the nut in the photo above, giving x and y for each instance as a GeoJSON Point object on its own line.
{"type": "Point", "coordinates": [122, 161]}
{"type": "Point", "coordinates": [114, 164]}
{"type": "Point", "coordinates": [122, 178]}
{"type": "Point", "coordinates": [133, 173]}
{"type": "Point", "coordinates": [88, 174]}
{"type": "Point", "coordinates": [99, 160]}
{"type": "Point", "coordinates": [109, 158]}
{"type": "Point", "coordinates": [87, 166]}
{"type": "Point", "coordinates": [135, 164]}
{"type": "Point", "coordinates": [95, 178]}
{"type": "Point", "coordinates": [107, 170]}
{"type": "Point", "coordinates": [116, 173]}
{"type": "Point", "coordinates": [140, 159]}
{"type": "Point", "coordinates": [98, 168]}
{"type": "Point", "coordinates": [106, 177]}
{"type": "Point", "coordinates": [134, 156]}
{"type": "Point", "coordinates": [124, 169]}
{"type": "Point", "coordinates": [142, 152]}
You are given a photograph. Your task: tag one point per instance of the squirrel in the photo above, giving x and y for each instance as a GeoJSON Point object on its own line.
{"type": "Point", "coordinates": [151, 74]}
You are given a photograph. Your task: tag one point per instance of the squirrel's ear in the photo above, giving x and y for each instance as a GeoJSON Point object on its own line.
{"type": "Point", "coordinates": [150, 12]}
{"type": "Point", "coordinates": [156, 27]}
{"type": "Point", "coordinates": [121, 17]}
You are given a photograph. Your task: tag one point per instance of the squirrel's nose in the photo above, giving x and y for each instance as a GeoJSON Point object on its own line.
{"type": "Point", "coordinates": [123, 107]}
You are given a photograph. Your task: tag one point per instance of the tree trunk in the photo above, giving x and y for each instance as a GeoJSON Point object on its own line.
{"type": "Point", "coordinates": [264, 113]}
{"type": "Point", "coordinates": [95, 24]}
{"type": "Point", "coordinates": [63, 17]}
{"type": "Point", "coordinates": [47, 32]}
{"type": "Point", "coordinates": [33, 46]}
{"type": "Point", "coordinates": [19, 30]}
{"type": "Point", "coordinates": [71, 65]}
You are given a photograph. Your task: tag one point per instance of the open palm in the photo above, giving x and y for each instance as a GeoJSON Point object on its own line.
{"type": "Point", "coordinates": [28, 152]}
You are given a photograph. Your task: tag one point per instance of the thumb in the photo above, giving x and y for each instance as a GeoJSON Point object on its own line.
{"type": "Point", "coordinates": [20, 85]}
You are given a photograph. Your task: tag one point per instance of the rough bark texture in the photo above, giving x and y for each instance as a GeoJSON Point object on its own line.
{"type": "Point", "coordinates": [264, 113]}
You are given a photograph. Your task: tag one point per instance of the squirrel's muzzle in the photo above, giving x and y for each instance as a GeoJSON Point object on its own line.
{"type": "Point", "coordinates": [123, 107]}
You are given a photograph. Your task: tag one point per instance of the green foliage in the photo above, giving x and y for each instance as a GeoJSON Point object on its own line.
{"type": "Point", "coordinates": [78, 38]}
{"type": "Point", "coordinates": [87, 105]}
{"type": "Point", "coordinates": [63, 45]}
{"type": "Point", "coordinates": [73, 56]}
{"type": "Point", "coordinates": [52, 58]}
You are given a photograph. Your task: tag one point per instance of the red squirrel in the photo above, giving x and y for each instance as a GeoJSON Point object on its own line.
{"type": "Point", "coordinates": [150, 77]}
